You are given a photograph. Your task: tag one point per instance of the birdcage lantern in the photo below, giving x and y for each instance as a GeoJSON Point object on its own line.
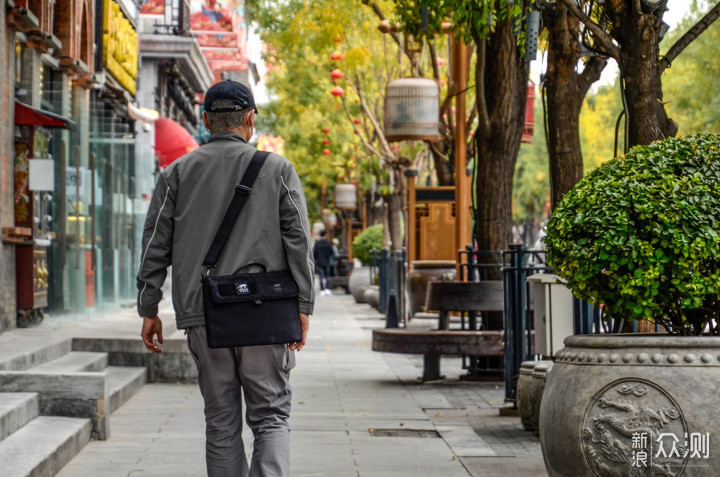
{"type": "Point", "coordinates": [346, 197]}
{"type": "Point", "coordinates": [412, 109]}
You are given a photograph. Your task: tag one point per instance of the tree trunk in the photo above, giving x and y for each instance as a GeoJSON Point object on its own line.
{"type": "Point", "coordinates": [564, 100]}
{"type": "Point", "coordinates": [505, 87]}
{"type": "Point", "coordinates": [641, 71]}
{"type": "Point", "coordinates": [443, 167]}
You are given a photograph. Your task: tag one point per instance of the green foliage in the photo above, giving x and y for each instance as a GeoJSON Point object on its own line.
{"type": "Point", "coordinates": [470, 18]}
{"type": "Point", "coordinates": [531, 186]}
{"type": "Point", "coordinates": [641, 234]}
{"type": "Point", "coordinates": [690, 85]}
{"type": "Point", "coordinates": [369, 239]}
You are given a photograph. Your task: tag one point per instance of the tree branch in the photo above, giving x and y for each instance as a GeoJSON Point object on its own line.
{"type": "Point", "coordinates": [591, 73]}
{"type": "Point", "coordinates": [480, 100]}
{"type": "Point", "coordinates": [378, 11]}
{"type": "Point", "coordinates": [598, 32]}
{"type": "Point", "coordinates": [366, 144]}
{"type": "Point", "coordinates": [371, 117]}
{"type": "Point", "coordinates": [690, 36]}
{"type": "Point", "coordinates": [433, 60]}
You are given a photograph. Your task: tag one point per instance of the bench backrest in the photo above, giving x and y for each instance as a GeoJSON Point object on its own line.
{"type": "Point", "coordinates": [465, 296]}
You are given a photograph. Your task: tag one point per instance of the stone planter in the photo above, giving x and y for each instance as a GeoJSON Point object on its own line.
{"type": "Point", "coordinates": [359, 281]}
{"type": "Point", "coordinates": [422, 273]}
{"type": "Point", "coordinates": [526, 393]}
{"type": "Point", "coordinates": [611, 400]}
{"type": "Point", "coordinates": [372, 296]}
{"type": "Point", "coordinates": [539, 381]}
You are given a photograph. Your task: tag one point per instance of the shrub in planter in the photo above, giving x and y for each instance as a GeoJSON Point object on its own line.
{"type": "Point", "coordinates": [369, 239]}
{"type": "Point", "coordinates": [641, 235]}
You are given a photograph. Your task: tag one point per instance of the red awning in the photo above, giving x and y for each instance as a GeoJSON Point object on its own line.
{"type": "Point", "coordinates": [171, 141]}
{"type": "Point", "coordinates": [28, 116]}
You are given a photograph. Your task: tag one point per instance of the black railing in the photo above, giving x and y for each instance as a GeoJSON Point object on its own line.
{"type": "Point", "coordinates": [518, 264]}
{"type": "Point", "coordinates": [390, 268]}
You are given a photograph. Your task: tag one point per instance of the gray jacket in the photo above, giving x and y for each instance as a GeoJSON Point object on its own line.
{"type": "Point", "coordinates": [187, 207]}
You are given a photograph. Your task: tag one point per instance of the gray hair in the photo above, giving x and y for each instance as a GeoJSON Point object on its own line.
{"type": "Point", "coordinates": [226, 121]}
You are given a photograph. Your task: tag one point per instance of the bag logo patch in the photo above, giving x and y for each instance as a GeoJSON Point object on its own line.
{"type": "Point", "coordinates": [242, 289]}
{"type": "Point", "coordinates": [278, 288]}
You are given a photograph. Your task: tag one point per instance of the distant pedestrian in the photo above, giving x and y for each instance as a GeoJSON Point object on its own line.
{"type": "Point", "coordinates": [186, 210]}
{"type": "Point", "coordinates": [323, 253]}
{"type": "Point", "coordinates": [335, 256]}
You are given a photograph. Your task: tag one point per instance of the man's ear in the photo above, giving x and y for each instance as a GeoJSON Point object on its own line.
{"type": "Point", "coordinates": [250, 120]}
{"type": "Point", "coordinates": [205, 120]}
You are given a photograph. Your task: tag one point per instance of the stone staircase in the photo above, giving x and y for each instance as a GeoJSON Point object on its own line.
{"type": "Point", "coordinates": [57, 395]}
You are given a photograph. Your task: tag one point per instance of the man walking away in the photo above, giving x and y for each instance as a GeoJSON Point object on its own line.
{"type": "Point", "coordinates": [271, 234]}
{"type": "Point", "coordinates": [323, 253]}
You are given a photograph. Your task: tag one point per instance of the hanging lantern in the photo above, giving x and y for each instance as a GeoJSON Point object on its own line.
{"type": "Point", "coordinates": [326, 130]}
{"type": "Point", "coordinates": [336, 74]}
{"type": "Point", "coordinates": [356, 131]}
{"type": "Point", "coordinates": [337, 56]}
{"type": "Point", "coordinates": [326, 152]}
{"type": "Point", "coordinates": [329, 218]}
{"type": "Point", "coordinates": [346, 196]}
{"type": "Point", "coordinates": [412, 109]}
{"type": "Point", "coordinates": [440, 61]}
{"type": "Point", "coordinates": [337, 91]}
{"type": "Point", "coordinates": [338, 39]}
{"type": "Point", "coordinates": [326, 142]}
{"type": "Point", "coordinates": [356, 121]}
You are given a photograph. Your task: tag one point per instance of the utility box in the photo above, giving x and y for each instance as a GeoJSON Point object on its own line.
{"type": "Point", "coordinates": [553, 312]}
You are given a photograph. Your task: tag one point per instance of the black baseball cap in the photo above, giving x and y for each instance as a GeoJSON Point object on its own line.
{"type": "Point", "coordinates": [238, 93]}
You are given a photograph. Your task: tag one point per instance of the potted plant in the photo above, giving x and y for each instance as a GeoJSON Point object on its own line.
{"type": "Point", "coordinates": [640, 236]}
{"type": "Point", "coordinates": [369, 239]}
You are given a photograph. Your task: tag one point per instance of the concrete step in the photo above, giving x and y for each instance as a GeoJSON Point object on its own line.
{"type": "Point", "coordinates": [43, 446]}
{"type": "Point", "coordinates": [16, 410]}
{"type": "Point", "coordinates": [74, 362]}
{"type": "Point", "coordinates": [122, 383]}
{"type": "Point", "coordinates": [18, 353]}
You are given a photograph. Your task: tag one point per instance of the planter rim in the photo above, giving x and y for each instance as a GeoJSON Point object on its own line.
{"type": "Point", "coordinates": [641, 340]}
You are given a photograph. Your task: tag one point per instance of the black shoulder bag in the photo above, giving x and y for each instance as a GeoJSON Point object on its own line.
{"type": "Point", "coordinates": [247, 309]}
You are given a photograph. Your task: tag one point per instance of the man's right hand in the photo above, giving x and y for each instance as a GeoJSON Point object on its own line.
{"type": "Point", "coordinates": [305, 326]}
{"type": "Point", "coordinates": [151, 328]}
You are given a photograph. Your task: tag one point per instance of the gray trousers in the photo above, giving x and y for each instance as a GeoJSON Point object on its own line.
{"type": "Point", "coordinates": [262, 373]}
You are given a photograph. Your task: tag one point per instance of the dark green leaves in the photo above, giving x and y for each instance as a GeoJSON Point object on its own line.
{"type": "Point", "coordinates": [641, 233]}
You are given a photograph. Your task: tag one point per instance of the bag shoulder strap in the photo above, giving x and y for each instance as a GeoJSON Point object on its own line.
{"type": "Point", "coordinates": [242, 193]}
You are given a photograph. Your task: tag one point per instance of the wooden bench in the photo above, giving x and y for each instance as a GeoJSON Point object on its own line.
{"type": "Point", "coordinates": [446, 297]}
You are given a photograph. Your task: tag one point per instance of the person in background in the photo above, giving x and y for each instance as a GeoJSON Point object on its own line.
{"type": "Point", "coordinates": [323, 254]}
{"type": "Point", "coordinates": [335, 255]}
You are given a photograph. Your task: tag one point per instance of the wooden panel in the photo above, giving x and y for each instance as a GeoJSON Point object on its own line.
{"type": "Point", "coordinates": [437, 238]}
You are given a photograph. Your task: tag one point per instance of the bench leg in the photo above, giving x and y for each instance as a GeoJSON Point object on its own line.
{"type": "Point", "coordinates": [431, 370]}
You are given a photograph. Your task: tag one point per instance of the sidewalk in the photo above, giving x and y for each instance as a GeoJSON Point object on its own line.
{"type": "Point", "coordinates": [355, 413]}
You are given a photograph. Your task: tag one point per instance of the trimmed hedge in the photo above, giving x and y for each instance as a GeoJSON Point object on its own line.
{"type": "Point", "coordinates": [369, 239]}
{"type": "Point", "coordinates": [641, 234]}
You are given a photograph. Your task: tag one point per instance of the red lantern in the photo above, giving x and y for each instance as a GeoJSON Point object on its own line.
{"type": "Point", "coordinates": [353, 182]}
{"type": "Point", "coordinates": [337, 74]}
{"type": "Point", "coordinates": [356, 121]}
{"type": "Point", "coordinates": [440, 61]}
{"type": "Point", "coordinates": [326, 152]}
{"type": "Point", "coordinates": [326, 142]}
{"type": "Point", "coordinates": [337, 56]}
{"type": "Point", "coordinates": [338, 39]}
{"type": "Point", "coordinates": [325, 130]}
{"type": "Point", "coordinates": [337, 91]}
{"type": "Point", "coordinates": [356, 131]}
